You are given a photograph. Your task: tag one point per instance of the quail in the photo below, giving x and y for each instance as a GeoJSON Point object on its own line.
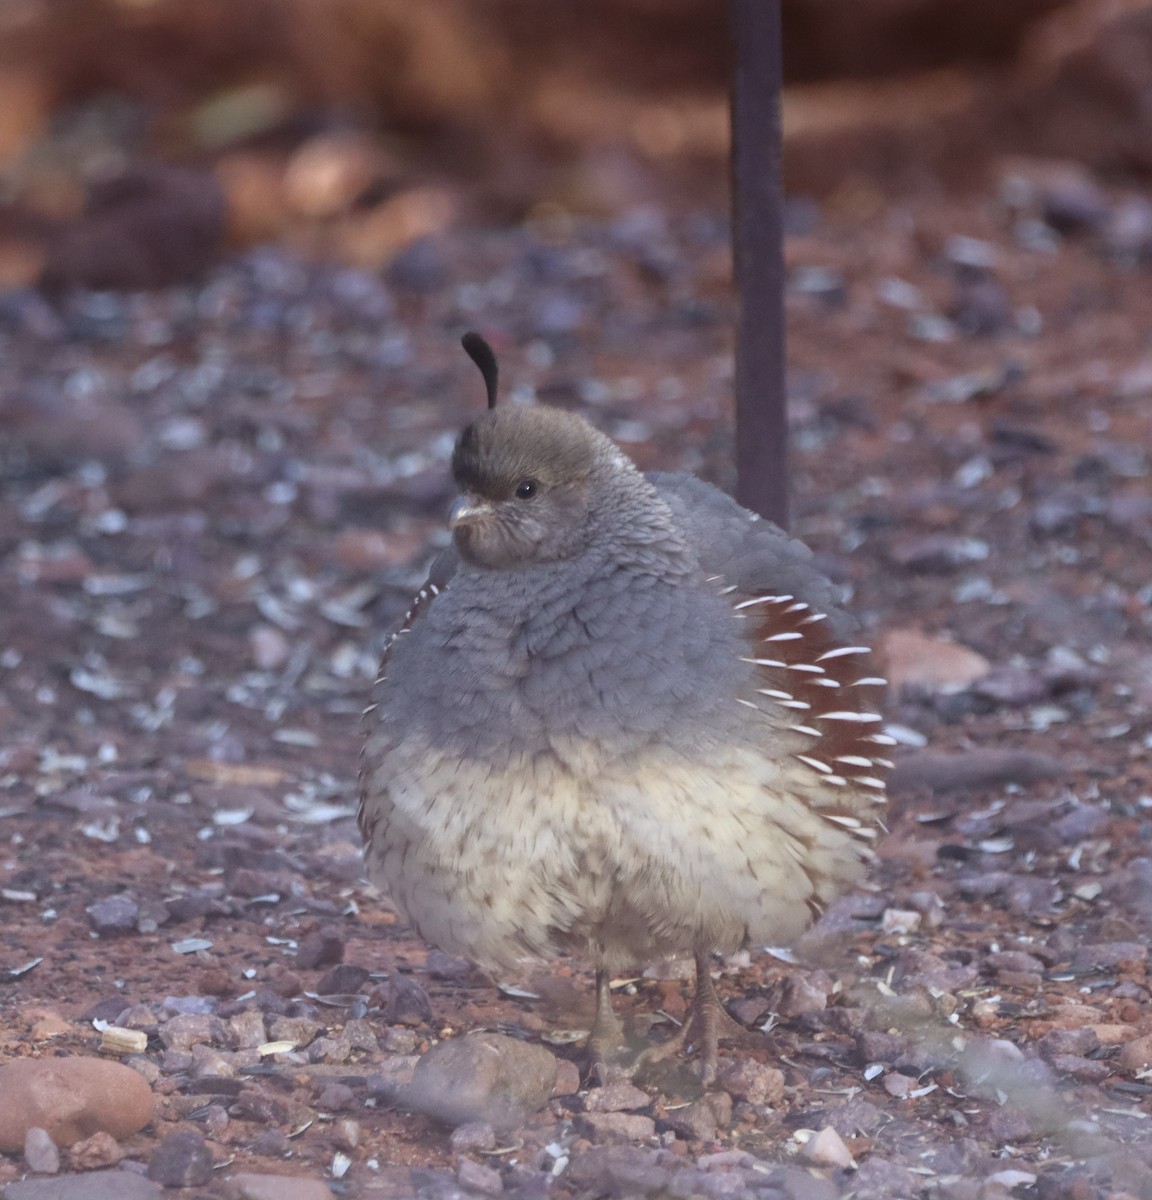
{"type": "Point", "coordinates": [624, 717]}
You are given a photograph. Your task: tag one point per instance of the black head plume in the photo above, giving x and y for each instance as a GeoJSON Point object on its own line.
{"type": "Point", "coordinates": [484, 357]}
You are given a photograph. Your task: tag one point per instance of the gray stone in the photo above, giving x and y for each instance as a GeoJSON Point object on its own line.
{"type": "Point", "coordinates": [855, 1116]}
{"type": "Point", "coordinates": [298, 1030]}
{"type": "Point", "coordinates": [1013, 960]}
{"type": "Point", "coordinates": [272, 1143]}
{"type": "Point", "coordinates": [696, 1121]}
{"type": "Point", "coordinates": [1009, 1125]}
{"type": "Point", "coordinates": [181, 1160]}
{"type": "Point", "coordinates": [875, 1046]}
{"type": "Point", "coordinates": [1086, 1070]}
{"type": "Point", "coordinates": [804, 994]}
{"type": "Point", "coordinates": [343, 979]}
{"type": "Point", "coordinates": [746, 1079]}
{"type": "Point", "coordinates": [799, 1184]}
{"type": "Point", "coordinates": [408, 1002]}
{"type": "Point", "coordinates": [40, 1152]}
{"type": "Point", "coordinates": [335, 1097]}
{"type": "Point", "coordinates": [473, 1135]}
{"type": "Point", "coordinates": [1105, 956]}
{"type": "Point", "coordinates": [114, 916]}
{"type": "Point", "coordinates": [187, 1030]}
{"type": "Point", "coordinates": [567, 1078]}
{"type": "Point", "coordinates": [616, 1127]}
{"type": "Point", "coordinates": [321, 948]}
{"type": "Point", "coordinates": [210, 1063]}
{"type": "Point", "coordinates": [882, 1179]}
{"type": "Point", "coordinates": [1059, 1042]}
{"type": "Point", "coordinates": [92, 1185]}
{"type": "Point", "coordinates": [482, 1077]}
{"type": "Point", "coordinates": [733, 1184]}
{"type": "Point", "coordinates": [478, 1178]}
{"type": "Point", "coordinates": [618, 1171]}
{"type": "Point", "coordinates": [246, 1030]}
{"type": "Point", "coordinates": [616, 1097]}
{"type": "Point", "coordinates": [247, 1186]}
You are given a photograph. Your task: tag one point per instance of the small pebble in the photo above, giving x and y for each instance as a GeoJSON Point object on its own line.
{"type": "Point", "coordinates": [347, 1134]}
{"type": "Point", "coordinates": [344, 979]}
{"type": "Point", "coordinates": [567, 1078]}
{"type": "Point", "coordinates": [114, 916]}
{"type": "Point", "coordinates": [746, 1079]}
{"type": "Point", "coordinates": [695, 1121]}
{"type": "Point", "coordinates": [616, 1097]}
{"type": "Point", "coordinates": [472, 1135]}
{"type": "Point", "coordinates": [40, 1152]}
{"type": "Point", "coordinates": [181, 1160]}
{"type": "Point", "coordinates": [476, 1177]}
{"type": "Point", "coordinates": [617, 1127]}
{"type": "Point", "coordinates": [272, 1143]}
{"type": "Point", "coordinates": [827, 1149]}
{"type": "Point", "coordinates": [319, 949]}
{"type": "Point", "coordinates": [408, 1002]}
{"type": "Point", "coordinates": [95, 1153]}
{"type": "Point", "coordinates": [335, 1097]}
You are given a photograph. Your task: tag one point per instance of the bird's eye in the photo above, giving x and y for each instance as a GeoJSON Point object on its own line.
{"type": "Point", "coordinates": [526, 489]}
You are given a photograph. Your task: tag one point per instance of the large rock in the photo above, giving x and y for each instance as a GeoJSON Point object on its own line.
{"type": "Point", "coordinates": [70, 1098]}
{"type": "Point", "coordinates": [92, 1185]}
{"type": "Point", "coordinates": [275, 1187]}
{"type": "Point", "coordinates": [482, 1077]}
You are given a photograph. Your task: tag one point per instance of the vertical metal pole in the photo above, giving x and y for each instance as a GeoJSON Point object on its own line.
{"type": "Point", "coordinates": [758, 246]}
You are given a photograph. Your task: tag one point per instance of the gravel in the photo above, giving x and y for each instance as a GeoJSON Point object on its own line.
{"type": "Point", "coordinates": [214, 500]}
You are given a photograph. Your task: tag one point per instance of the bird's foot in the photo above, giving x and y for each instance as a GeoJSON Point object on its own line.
{"type": "Point", "coordinates": [610, 1063]}
{"type": "Point", "coordinates": [705, 1023]}
{"type": "Point", "coordinates": [608, 1055]}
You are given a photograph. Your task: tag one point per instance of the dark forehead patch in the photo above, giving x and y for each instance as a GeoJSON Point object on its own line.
{"type": "Point", "coordinates": [506, 445]}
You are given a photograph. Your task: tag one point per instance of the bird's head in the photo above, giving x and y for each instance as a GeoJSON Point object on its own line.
{"type": "Point", "coordinates": [534, 484]}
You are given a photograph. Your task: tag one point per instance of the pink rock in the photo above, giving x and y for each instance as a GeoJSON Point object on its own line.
{"type": "Point", "coordinates": [94, 1153]}
{"type": "Point", "coordinates": [746, 1079]}
{"type": "Point", "coordinates": [917, 660]}
{"type": "Point", "coordinates": [71, 1099]}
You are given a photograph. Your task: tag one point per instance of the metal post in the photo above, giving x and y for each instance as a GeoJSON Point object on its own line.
{"type": "Point", "coordinates": [758, 247]}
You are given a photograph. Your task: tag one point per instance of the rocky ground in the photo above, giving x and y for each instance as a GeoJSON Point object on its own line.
{"type": "Point", "coordinates": [216, 500]}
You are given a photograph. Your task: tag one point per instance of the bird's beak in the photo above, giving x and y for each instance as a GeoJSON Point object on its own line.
{"type": "Point", "coordinates": [466, 510]}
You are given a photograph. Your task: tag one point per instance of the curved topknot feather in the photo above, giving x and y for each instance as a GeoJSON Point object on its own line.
{"type": "Point", "coordinates": [482, 354]}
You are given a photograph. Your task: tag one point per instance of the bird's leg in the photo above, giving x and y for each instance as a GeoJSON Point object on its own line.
{"type": "Point", "coordinates": [713, 1020]}
{"type": "Point", "coordinates": [708, 1018]}
{"type": "Point", "coordinates": [606, 1040]}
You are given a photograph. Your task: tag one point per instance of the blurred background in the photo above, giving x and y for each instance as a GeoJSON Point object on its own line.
{"type": "Point", "coordinates": [138, 138]}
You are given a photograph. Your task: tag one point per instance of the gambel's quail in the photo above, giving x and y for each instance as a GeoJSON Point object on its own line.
{"type": "Point", "coordinates": [625, 717]}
